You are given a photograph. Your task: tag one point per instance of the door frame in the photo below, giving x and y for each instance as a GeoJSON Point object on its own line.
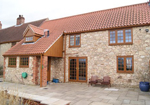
{"type": "Point", "coordinates": [49, 68]}
{"type": "Point", "coordinates": [78, 71]}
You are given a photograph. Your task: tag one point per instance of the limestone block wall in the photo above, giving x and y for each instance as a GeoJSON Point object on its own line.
{"type": "Point", "coordinates": [57, 68]}
{"type": "Point", "coordinates": [102, 57]}
{"type": "Point", "coordinates": [15, 74]}
{"type": "Point", "coordinates": [3, 48]}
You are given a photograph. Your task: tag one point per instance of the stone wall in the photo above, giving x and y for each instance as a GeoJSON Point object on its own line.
{"type": "Point", "coordinates": [57, 68]}
{"type": "Point", "coordinates": [3, 48]}
{"type": "Point", "coordinates": [102, 57]}
{"type": "Point", "coordinates": [14, 74]}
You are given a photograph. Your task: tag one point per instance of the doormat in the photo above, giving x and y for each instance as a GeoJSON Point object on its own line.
{"type": "Point", "coordinates": [111, 89]}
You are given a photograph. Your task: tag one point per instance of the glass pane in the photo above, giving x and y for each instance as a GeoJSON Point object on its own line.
{"type": "Point", "coordinates": [120, 36]}
{"type": "Point", "coordinates": [129, 64]}
{"type": "Point", "coordinates": [121, 64]}
{"type": "Point", "coordinates": [73, 69]}
{"type": "Point", "coordinates": [71, 40]}
{"type": "Point", "coordinates": [112, 37]}
{"type": "Point", "coordinates": [12, 61]}
{"type": "Point", "coordinates": [82, 69]}
{"type": "Point", "coordinates": [128, 35]}
{"type": "Point", "coordinates": [29, 38]}
{"type": "Point", "coordinates": [24, 61]}
{"type": "Point", "coordinates": [77, 40]}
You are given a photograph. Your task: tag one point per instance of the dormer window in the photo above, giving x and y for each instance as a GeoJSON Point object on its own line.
{"type": "Point", "coordinates": [29, 39]}
{"type": "Point", "coordinates": [33, 33]}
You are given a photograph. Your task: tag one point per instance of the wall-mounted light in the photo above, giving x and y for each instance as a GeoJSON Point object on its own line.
{"type": "Point", "coordinates": [146, 30]}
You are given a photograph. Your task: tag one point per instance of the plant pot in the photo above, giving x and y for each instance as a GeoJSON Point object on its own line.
{"type": "Point", "coordinates": [144, 86]}
{"type": "Point", "coordinates": [55, 80]}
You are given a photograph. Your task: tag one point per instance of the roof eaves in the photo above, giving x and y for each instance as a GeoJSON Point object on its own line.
{"type": "Point", "coordinates": [109, 28]}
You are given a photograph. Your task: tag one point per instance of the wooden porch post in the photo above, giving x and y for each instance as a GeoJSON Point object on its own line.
{"type": "Point", "coordinates": [65, 60]}
{"type": "Point", "coordinates": [41, 71]}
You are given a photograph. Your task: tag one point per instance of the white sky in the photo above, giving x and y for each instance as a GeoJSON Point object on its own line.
{"type": "Point", "coordinates": [38, 9]}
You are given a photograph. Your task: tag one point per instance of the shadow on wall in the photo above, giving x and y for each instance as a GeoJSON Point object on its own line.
{"type": "Point", "coordinates": [1, 70]}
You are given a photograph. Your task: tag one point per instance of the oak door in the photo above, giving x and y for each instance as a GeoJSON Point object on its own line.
{"type": "Point", "coordinates": [78, 69]}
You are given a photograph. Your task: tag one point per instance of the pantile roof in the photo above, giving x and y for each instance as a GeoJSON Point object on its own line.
{"type": "Point", "coordinates": [127, 16]}
{"type": "Point", "coordinates": [37, 30]}
{"type": "Point", "coordinates": [14, 33]}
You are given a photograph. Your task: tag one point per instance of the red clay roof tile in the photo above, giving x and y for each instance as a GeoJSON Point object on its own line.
{"type": "Point", "coordinates": [37, 30]}
{"type": "Point", "coordinates": [133, 15]}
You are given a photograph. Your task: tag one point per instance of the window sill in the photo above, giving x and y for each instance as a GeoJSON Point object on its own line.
{"type": "Point", "coordinates": [24, 66]}
{"type": "Point", "coordinates": [125, 72]}
{"type": "Point", "coordinates": [120, 44]}
{"type": "Point", "coordinates": [74, 46]}
{"type": "Point", "coordinates": [12, 66]}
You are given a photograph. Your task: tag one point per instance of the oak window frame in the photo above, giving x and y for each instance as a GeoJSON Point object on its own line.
{"type": "Point", "coordinates": [29, 40]}
{"type": "Point", "coordinates": [125, 71]}
{"type": "Point", "coordinates": [24, 66]}
{"type": "Point", "coordinates": [9, 62]}
{"type": "Point", "coordinates": [75, 41]}
{"type": "Point", "coordinates": [124, 37]}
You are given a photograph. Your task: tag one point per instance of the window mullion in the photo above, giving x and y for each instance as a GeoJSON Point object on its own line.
{"type": "Point", "coordinates": [125, 64]}
{"type": "Point", "coordinates": [123, 35]}
{"type": "Point", "coordinates": [116, 37]}
{"type": "Point", "coordinates": [74, 40]}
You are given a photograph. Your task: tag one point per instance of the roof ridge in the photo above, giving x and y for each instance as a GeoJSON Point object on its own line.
{"type": "Point", "coordinates": [97, 11]}
{"type": "Point", "coordinates": [25, 23]}
{"type": "Point", "coordinates": [35, 27]}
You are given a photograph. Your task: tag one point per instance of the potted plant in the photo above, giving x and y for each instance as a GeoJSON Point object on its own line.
{"type": "Point", "coordinates": [144, 85]}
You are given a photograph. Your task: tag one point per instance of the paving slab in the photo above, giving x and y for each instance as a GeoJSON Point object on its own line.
{"type": "Point", "coordinates": [83, 102]}
{"type": "Point", "coordinates": [78, 93]}
{"type": "Point", "coordinates": [126, 101]}
{"type": "Point", "coordinates": [142, 102]}
{"type": "Point", "coordinates": [99, 103]}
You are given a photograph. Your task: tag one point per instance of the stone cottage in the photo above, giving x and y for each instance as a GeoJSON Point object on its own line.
{"type": "Point", "coordinates": [11, 35]}
{"type": "Point", "coordinates": [113, 42]}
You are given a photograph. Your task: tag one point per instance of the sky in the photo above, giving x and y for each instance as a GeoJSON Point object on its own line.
{"type": "Point", "coordinates": [33, 10]}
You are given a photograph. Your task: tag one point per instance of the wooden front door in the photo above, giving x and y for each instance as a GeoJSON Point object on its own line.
{"type": "Point", "coordinates": [49, 69]}
{"type": "Point", "coordinates": [78, 69]}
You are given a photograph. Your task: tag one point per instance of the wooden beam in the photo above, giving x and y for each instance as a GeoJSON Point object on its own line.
{"type": "Point", "coordinates": [41, 71]}
{"type": "Point", "coordinates": [65, 59]}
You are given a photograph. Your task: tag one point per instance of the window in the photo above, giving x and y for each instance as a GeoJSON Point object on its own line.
{"type": "Point", "coordinates": [75, 41]}
{"type": "Point", "coordinates": [12, 62]}
{"type": "Point", "coordinates": [24, 61]}
{"type": "Point", "coordinates": [28, 39]}
{"type": "Point", "coordinates": [120, 37]}
{"type": "Point", "coordinates": [125, 64]}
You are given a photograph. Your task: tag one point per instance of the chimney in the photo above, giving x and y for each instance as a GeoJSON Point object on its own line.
{"type": "Point", "coordinates": [0, 25]}
{"type": "Point", "coordinates": [20, 20]}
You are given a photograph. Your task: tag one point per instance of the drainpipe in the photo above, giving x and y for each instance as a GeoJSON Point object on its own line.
{"type": "Point", "coordinates": [65, 59]}
{"type": "Point", "coordinates": [41, 71]}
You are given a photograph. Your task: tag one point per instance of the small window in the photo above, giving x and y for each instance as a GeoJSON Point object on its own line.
{"type": "Point", "coordinates": [120, 37]}
{"type": "Point", "coordinates": [112, 37]}
{"type": "Point", "coordinates": [75, 41]}
{"type": "Point", "coordinates": [125, 64]}
{"type": "Point", "coordinates": [12, 62]}
{"type": "Point", "coordinates": [29, 39]}
{"type": "Point", "coordinates": [24, 61]}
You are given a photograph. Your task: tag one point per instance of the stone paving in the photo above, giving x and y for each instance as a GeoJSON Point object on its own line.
{"type": "Point", "coordinates": [81, 94]}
